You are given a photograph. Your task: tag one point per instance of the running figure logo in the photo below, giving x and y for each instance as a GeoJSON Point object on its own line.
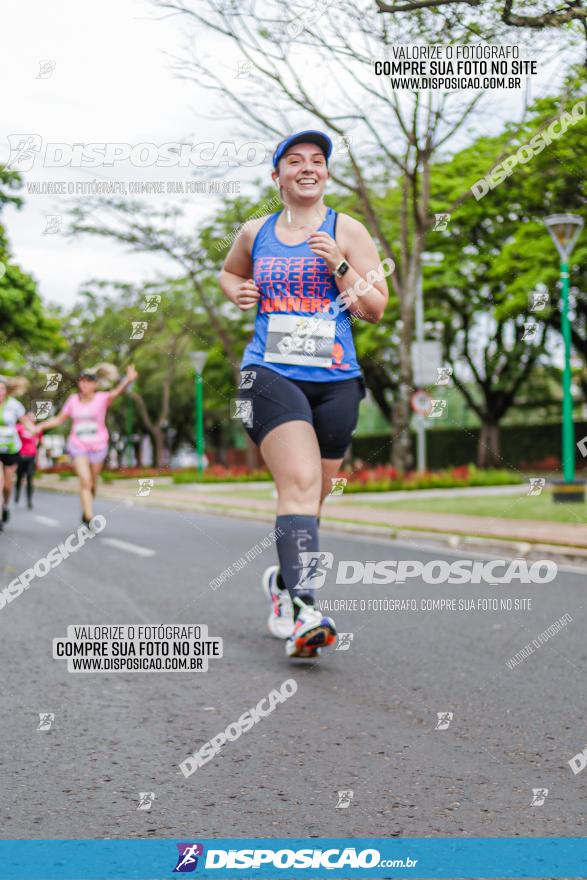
{"type": "Point", "coordinates": [344, 799]}
{"type": "Point", "coordinates": [537, 484]}
{"type": "Point", "coordinates": [42, 409]}
{"type": "Point", "coordinates": [312, 575]}
{"type": "Point", "coordinates": [344, 641]}
{"type": "Point", "coordinates": [244, 69]}
{"type": "Point", "coordinates": [146, 799]}
{"type": "Point", "coordinates": [152, 301]}
{"type": "Point", "coordinates": [46, 68]}
{"type": "Point", "coordinates": [538, 301]}
{"type": "Point", "coordinates": [444, 719]}
{"type": "Point", "coordinates": [247, 379]}
{"type": "Point", "coordinates": [23, 150]}
{"type": "Point", "coordinates": [441, 222]}
{"type": "Point", "coordinates": [338, 484]}
{"type": "Point", "coordinates": [343, 143]}
{"type": "Point", "coordinates": [443, 375]}
{"type": "Point", "coordinates": [539, 795]}
{"type": "Point", "coordinates": [53, 224]}
{"type": "Point", "coordinates": [295, 28]}
{"type": "Point", "coordinates": [243, 410]}
{"type": "Point", "coordinates": [138, 329]}
{"type": "Point", "coordinates": [187, 860]}
{"type": "Point", "coordinates": [145, 487]}
{"type": "Point", "coordinates": [46, 719]}
{"type": "Point", "coordinates": [53, 380]}
{"type": "Point", "coordinates": [438, 409]}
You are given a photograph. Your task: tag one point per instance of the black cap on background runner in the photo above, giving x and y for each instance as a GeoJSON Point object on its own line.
{"type": "Point", "coordinates": [303, 137]}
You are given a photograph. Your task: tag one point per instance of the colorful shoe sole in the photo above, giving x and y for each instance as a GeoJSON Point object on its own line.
{"type": "Point", "coordinates": [312, 642]}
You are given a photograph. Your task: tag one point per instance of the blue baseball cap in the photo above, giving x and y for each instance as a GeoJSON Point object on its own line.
{"type": "Point", "coordinates": [303, 137]}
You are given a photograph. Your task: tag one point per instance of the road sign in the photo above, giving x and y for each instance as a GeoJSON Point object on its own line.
{"type": "Point", "coordinates": [421, 403]}
{"type": "Point", "coordinates": [426, 360]}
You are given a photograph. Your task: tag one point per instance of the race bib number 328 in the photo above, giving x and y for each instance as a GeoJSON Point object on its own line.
{"type": "Point", "coordinates": [292, 339]}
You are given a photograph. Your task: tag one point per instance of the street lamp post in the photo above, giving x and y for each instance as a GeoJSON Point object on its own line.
{"type": "Point", "coordinates": [564, 230]}
{"type": "Point", "coordinates": [428, 258]}
{"type": "Point", "coordinates": [198, 359]}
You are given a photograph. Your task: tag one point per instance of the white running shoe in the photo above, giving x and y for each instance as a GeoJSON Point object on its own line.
{"type": "Point", "coordinates": [312, 632]}
{"type": "Point", "coordinates": [280, 621]}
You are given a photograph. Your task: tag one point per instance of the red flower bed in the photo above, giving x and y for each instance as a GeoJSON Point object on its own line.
{"type": "Point", "coordinates": [219, 470]}
{"type": "Point", "coordinates": [381, 478]}
{"type": "Point", "coordinates": [141, 472]}
{"type": "Point", "coordinates": [60, 468]}
{"type": "Point", "coordinates": [391, 474]}
{"type": "Point", "coordinates": [549, 463]}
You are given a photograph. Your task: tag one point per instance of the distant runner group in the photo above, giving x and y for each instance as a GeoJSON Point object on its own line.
{"type": "Point", "coordinates": [87, 443]}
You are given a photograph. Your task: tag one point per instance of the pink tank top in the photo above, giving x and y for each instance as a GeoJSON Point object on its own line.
{"type": "Point", "coordinates": [88, 428]}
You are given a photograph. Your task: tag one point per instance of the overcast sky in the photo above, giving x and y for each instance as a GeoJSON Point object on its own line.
{"type": "Point", "coordinates": [112, 82]}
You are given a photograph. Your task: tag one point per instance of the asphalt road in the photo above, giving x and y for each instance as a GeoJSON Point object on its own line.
{"type": "Point", "coordinates": [362, 719]}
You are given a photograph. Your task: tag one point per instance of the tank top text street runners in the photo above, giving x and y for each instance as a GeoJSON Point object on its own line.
{"type": "Point", "coordinates": [295, 283]}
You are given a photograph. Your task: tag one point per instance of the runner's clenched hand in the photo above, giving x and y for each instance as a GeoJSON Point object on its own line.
{"type": "Point", "coordinates": [247, 295]}
{"type": "Point", "coordinates": [323, 245]}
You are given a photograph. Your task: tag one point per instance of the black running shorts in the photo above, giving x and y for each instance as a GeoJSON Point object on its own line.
{"type": "Point", "coordinates": [331, 407]}
{"type": "Point", "coordinates": [9, 458]}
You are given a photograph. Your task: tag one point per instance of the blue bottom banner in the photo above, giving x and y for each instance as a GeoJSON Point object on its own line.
{"type": "Point", "coordinates": [338, 858]}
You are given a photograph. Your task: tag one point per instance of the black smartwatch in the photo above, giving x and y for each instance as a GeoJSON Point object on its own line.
{"type": "Point", "coordinates": [342, 268]}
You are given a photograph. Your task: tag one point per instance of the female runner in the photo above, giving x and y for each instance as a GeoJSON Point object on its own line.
{"type": "Point", "coordinates": [301, 382]}
{"type": "Point", "coordinates": [88, 441]}
{"type": "Point", "coordinates": [11, 413]}
{"type": "Point", "coordinates": [27, 461]}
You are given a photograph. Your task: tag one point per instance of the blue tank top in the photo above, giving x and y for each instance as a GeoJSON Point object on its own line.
{"type": "Point", "coordinates": [294, 334]}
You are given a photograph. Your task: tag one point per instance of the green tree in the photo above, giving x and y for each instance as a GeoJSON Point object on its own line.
{"type": "Point", "coordinates": [553, 183]}
{"type": "Point", "coordinates": [492, 20]}
{"type": "Point", "coordinates": [25, 325]}
{"type": "Point", "coordinates": [491, 326]}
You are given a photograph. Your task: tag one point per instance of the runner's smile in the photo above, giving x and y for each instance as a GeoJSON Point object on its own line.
{"type": "Point", "coordinates": [307, 181]}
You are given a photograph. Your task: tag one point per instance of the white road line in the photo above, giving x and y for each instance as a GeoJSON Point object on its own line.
{"type": "Point", "coordinates": [46, 520]}
{"type": "Point", "coordinates": [130, 548]}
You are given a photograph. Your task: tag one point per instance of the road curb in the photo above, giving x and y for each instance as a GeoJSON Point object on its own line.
{"type": "Point", "coordinates": [564, 553]}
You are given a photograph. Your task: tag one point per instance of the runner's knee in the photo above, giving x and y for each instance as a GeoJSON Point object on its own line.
{"type": "Point", "coordinates": [302, 486]}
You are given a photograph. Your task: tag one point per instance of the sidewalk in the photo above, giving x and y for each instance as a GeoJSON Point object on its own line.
{"type": "Point", "coordinates": [345, 514]}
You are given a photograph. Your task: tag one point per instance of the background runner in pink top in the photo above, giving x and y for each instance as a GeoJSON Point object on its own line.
{"type": "Point", "coordinates": [30, 442]}
{"type": "Point", "coordinates": [88, 429]}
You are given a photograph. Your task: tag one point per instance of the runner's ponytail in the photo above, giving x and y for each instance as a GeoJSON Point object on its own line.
{"type": "Point", "coordinates": [106, 375]}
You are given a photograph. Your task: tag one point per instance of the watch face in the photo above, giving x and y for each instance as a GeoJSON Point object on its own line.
{"type": "Point", "coordinates": [344, 267]}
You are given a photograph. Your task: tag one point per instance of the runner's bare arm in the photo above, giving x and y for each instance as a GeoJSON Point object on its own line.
{"type": "Point", "coordinates": [235, 277]}
{"type": "Point", "coordinates": [364, 282]}
{"type": "Point", "coordinates": [28, 423]}
{"type": "Point", "coordinates": [131, 375]}
{"type": "Point", "coordinates": [50, 423]}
